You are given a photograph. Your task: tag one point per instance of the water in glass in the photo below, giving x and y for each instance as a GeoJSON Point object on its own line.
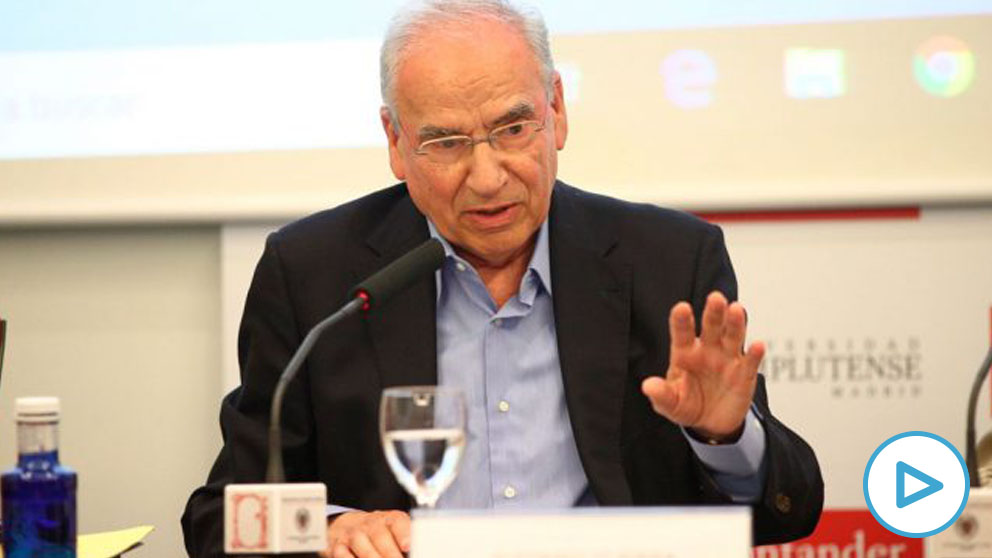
{"type": "Point", "coordinates": [423, 437]}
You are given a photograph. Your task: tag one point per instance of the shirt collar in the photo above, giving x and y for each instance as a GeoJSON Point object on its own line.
{"type": "Point", "coordinates": [540, 263]}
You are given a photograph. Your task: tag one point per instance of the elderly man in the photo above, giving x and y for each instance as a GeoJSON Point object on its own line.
{"type": "Point", "coordinates": [549, 312]}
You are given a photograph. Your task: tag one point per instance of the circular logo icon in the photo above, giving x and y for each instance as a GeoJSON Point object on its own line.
{"type": "Point", "coordinates": [944, 66]}
{"type": "Point", "coordinates": [302, 519]}
{"type": "Point", "coordinates": [916, 484]}
{"type": "Point", "coordinates": [967, 526]}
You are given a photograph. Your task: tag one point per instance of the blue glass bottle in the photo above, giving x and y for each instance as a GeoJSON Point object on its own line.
{"type": "Point", "coordinates": [39, 495]}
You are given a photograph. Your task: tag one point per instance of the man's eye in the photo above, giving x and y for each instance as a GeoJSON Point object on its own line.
{"type": "Point", "coordinates": [445, 144]}
{"type": "Point", "coordinates": [513, 130]}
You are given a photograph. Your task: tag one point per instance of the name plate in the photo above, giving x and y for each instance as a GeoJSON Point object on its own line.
{"type": "Point", "coordinates": [671, 532]}
{"type": "Point", "coordinates": [971, 535]}
{"type": "Point", "coordinates": [275, 518]}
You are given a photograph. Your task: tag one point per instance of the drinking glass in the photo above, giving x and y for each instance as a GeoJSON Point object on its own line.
{"type": "Point", "coordinates": [423, 436]}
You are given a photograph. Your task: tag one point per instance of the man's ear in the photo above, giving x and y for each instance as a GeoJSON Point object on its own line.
{"type": "Point", "coordinates": [396, 162]}
{"type": "Point", "coordinates": [561, 117]}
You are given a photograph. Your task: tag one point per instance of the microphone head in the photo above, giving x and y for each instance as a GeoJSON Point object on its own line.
{"type": "Point", "coordinates": [400, 274]}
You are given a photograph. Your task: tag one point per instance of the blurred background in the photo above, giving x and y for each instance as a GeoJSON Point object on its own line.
{"type": "Point", "coordinates": [147, 148]}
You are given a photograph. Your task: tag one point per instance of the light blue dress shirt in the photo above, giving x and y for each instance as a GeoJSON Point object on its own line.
{"type": "Point", "coordinates": [521, 450]}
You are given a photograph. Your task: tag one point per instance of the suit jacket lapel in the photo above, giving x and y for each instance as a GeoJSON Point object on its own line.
{"type": "Point", "coordinates": [591, 293]}
{"type": "Point", "coordinates": [403, 331]}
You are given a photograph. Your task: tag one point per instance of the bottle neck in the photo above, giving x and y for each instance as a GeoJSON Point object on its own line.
{"type": "Point", "coordinates": [37, 442]}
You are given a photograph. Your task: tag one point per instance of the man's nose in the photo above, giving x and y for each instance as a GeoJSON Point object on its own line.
{"type": "Point", "coordinates": [486, 174]}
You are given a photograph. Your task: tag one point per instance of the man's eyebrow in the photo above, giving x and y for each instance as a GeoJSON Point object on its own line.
{"type": "Point", "coordinates": [520, 111]}
{"type": "Point", "coordinates": [434, 132]}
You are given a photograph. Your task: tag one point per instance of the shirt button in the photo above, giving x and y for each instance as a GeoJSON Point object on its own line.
{"type": "Point", "coordinates": [503, 406]}
{"type": "Point", "coordinates": [459, 266]}
{"type": "Point", "coordinates": [497, 322]}
{"type": "Point", "coordinates": [509, 492]}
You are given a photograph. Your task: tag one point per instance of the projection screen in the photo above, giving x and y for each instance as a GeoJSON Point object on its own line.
{"type": "Point", "coordinates": [226, 110]}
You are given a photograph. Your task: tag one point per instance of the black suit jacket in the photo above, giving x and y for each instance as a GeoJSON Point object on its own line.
{"type": "Point", "coordinates": [617, 268]}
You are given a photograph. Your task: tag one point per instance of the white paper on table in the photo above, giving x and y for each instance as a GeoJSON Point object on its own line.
{"type": "Point", "coordinates": [671, 532]}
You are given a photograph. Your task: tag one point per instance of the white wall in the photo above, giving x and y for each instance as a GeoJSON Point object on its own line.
{"type": "Point", "coordinates": [241, 246]}
{"type": "Point", "coordinates": [122, 324]}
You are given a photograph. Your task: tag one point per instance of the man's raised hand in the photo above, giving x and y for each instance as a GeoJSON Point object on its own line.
{"type": "Point", "coordinates": [710, 380]}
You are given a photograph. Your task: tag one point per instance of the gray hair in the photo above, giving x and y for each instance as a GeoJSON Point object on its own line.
{"type": "Point", "coordinates": [427, 14]}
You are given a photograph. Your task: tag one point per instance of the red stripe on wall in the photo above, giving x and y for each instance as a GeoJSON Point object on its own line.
{"type": "Point", "coordinates": [811, 214]}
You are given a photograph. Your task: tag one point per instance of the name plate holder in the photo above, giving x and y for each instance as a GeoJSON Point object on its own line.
{"type": "Point", "coordinates": [971, 535]}
{"type": "Point", "coordinates": [667, 532]}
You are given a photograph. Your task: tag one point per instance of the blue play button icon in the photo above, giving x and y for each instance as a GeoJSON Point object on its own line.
{"type": "Point", "coordinates": [892, 486]}
{"type": "Point", "coordinates": [932, 485]}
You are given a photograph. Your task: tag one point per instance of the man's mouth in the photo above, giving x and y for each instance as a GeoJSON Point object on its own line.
{"type": "Point", "coordinates": [493, 216]}
{"type": "Point", "coordinates": [492, 210]}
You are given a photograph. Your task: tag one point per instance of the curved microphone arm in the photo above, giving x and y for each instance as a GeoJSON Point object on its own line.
{"type": "Point", "coordinates": [971, 459]}
{"type": "Point", "coordinates": [275, 472]}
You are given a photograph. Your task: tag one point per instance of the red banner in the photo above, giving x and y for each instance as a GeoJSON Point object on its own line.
{"type": "Point", "coordinates": [846, 534]}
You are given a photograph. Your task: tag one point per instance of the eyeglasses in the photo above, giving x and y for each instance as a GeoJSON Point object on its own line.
{"type": "Point", "coordinates": [509, 138]}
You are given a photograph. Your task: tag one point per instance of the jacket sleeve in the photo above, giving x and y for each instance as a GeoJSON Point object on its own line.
{"type": "Point", "coordinates": [792, 496]}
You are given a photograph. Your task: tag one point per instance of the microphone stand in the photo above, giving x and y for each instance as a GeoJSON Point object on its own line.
{"type": "Point", "coordinates": [275, 473]}
{"type": "Point", "coordinates": [971, 459]}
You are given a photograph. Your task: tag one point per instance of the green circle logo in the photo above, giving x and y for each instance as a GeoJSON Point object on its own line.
{"type": "Point", "coordinates": [944, 66]}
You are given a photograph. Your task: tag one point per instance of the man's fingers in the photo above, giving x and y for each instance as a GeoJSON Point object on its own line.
{"type": "Point", "coordinates": [361, 546]}
{"type": "Point", "coordinates": [664, 398]}
{"type": "Point", "coordinates": [380, 534]}
{"type": "Point", "coordinates": [713, 319]}
{"type": "Point", "coordinates": [682, 326]}
{"type": "Point", "coordinates": [399, 524]}
{"type": "Point", "coordinates": [391, 537]}
{"type": "Point", "coordinates": [385, 543]}
{"type": "Point", "coordinates": [734, 330]}
{"type": "Point", "coordinates": [753, 356]}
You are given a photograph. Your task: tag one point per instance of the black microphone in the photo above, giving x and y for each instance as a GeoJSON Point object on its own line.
{"type": "Point", "coordinates": [370, 293]}
{"type": "Point", "coordinates": [400, 274]}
